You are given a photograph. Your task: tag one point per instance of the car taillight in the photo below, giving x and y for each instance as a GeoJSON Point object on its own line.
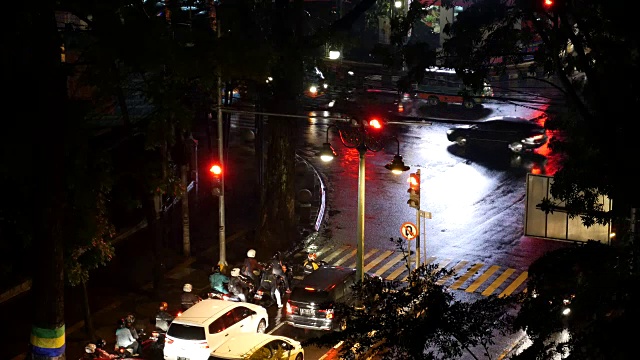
{"type": "Point", "coordinates": [327, 313]}
{"type": "Point", "coordinates": [400, 108]}
{"type": "Point", "coordinates": [259, 292]}
{"type": "Point", "coordinates": [537, 137]}
{"type": "Point", "coordinates": [290, 308]}
{"type": "Point", "coordinates": [168, 341]}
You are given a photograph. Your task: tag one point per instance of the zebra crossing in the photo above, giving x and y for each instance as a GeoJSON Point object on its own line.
{"type": "Point", "coordinates": [470, 277]}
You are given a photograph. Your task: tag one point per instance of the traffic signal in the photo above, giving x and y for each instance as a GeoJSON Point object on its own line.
{"type": "Point", "coordinates": [414, 190]}
{"type": "Point", "coordinates": [216, 179]}
{"type": "Point", "coordinates": [547, 3]}
{"type": "Point", "coordinates": [375, 123]}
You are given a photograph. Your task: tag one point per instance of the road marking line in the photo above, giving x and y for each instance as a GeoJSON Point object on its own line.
{"type": "Point", "coordinates": [366, 256]}
{"type": "Point", "coordinates": [335, 253]}
{"type": "Point", "coordinates": [455, 269]}
{"type": "Point", "coordinates": [397, 272]}
{"type": "Point", "coordinates": [276, 327]}
{"type": "Point", "coordinates": [346, 257]}
{"type": "Point", "coordinates": [514, 285]}
{"type": "Point", "coordinates": [497, 282]}
{"type": "Point", "coordinates": [476, 284]}
{"type": "Point", "coordinates": [429, 261]}
{"type": "Point", "coordinates": [390, 263]}
{"type": "Point", "coordinates": [472, 270]}
{"type": "Point", "coordinates": [377, 260]}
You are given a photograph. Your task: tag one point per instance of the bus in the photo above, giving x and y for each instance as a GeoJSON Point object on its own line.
{"type": "Point", "coordinates": [442, 85]}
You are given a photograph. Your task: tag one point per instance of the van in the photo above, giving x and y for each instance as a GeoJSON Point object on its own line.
{"type": "Point", "coordinates": [312, 302]}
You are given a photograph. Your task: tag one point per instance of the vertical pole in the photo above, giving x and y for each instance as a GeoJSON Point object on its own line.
{"type": "Point", "coordinates": [197, 177]}
{"type": "Point", "coordinates": [360, 227]}
{"type": "Point", "coordinates": [418, 223]}
{"type": "Point", "coordinates": [221, 235]}
{"type": "Point", "coordinates": [418, 258]}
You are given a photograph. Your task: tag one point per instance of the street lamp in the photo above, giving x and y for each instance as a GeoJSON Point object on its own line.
{"type": "Point", "coordinates": [356, 135]}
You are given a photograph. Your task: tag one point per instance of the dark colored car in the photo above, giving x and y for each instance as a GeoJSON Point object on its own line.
{"type": "Point", "coordinates": [312, 301]}
{"type": "Point", "coordinates": [385, 103]}
{"type": "Point", "coordinates": [514, 133]}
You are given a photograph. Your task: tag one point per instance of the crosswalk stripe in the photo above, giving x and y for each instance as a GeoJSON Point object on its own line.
{"type": "Point", "coordinates": [514, 285]}
{"type": "Point", "coordinates": [336, 253]}
{"type": "Point", "coordinates": [441, 265]}
{"type": "Point", "coordinates": [390, 263]}
{"type": "Point", "coordinates": [397, 272]}
{"type": "Point", "coordinates": [476, 284]}
{"type": "Point", "coordinates": [472, 270]}
{"type": "Point", "coordinates": [427, 262]}
{"type": "Point", "coordinates": [455, 269]}
{"type": "Point", "coordinates": [494, 285]}
{"type": "Point", "coordinates": [346, 257]}
{"type": "Point", "coordinates": [377, 260]}
{"type": "Point", "coordinates": [366, 256]}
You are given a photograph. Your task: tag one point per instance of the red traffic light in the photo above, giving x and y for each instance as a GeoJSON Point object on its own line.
{"type": "Point", "coordinates": [216, 169]}
{"type": "Point", "coordinates": [414, 181]}
{"type": "Point", "coordinates": [375, 123]}
{"type": "Point", "coordinates": [547, 3]}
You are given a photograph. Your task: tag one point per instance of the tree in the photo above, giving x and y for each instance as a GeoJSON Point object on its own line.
{"type": "Point", "coordinates": [583, 49]}
{"type": "Point", "coordinates": [594, 282]}
{"type": "Point", "coordinates": [417, 320]}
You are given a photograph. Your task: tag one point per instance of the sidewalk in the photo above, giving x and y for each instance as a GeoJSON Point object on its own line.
{"type": "Point", "coordinates": [241, 216]}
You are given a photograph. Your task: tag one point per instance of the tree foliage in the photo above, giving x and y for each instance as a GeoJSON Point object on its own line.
{"type": "Point", "coordinates": [419, 319]}
{"type": "Point", "coordinates": [595, 282]}
{"type": "Point", "coordinates": [585, 49]}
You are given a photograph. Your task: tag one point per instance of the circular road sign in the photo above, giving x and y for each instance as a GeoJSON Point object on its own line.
{"type": "Point", "coordinates": [409, 231]}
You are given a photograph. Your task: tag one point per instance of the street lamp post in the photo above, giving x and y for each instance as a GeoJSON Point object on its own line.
{"type": "Point", "coordinates": [357, 135]}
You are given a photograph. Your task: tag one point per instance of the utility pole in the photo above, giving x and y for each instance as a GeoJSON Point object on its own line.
{"type": "Point", "coordinates": [221, 231]}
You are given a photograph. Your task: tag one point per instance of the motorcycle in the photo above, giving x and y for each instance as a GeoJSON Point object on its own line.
{"type": "Point", "coordinates": [263, 294]}
{"type": "Point", "coordinates": [310, 266]}
{"type": "Point", "coordinates": [215, 294]}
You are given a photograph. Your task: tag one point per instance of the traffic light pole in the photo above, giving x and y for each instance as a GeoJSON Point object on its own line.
{"type": "Point", "coordinates": [221, 230]}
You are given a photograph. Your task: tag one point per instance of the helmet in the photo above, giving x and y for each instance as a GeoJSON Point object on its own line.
{"type": "Point", "coordinates": [251, 253]}
{"type": "Point", "coordinates": [235, 272]}
{"type": "Point", "coordinates": [101, 343]}
{"type": "Point", "coordinates": [187, 288]}
{"type": "Point", "coordinates": [122, 323]}
{"type": "Point", "coordinates": [90, 348]}
{"type": "Point", "coordinates": [164, 306]}
{"type": "Point", "coordinates": [312, 256]}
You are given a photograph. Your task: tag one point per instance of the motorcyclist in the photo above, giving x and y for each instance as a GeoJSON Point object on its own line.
{"type": "Point", "coordinates": [130, 320]}
{"type": "Point", "coordinates": [188, 299]}
{"type": "Point", "coordinates": [251, 267]}
{"type": "Point", "coordinates": [125, 339]}
{"type": "Point", "coordinates": [163, 318]}
{"type": "Point", "coordinates": [311, 263]}
{"type": "Point", "coordinates": [269, 282]}
{"type": "Point", "coordinates": [278, 269]}
{"type": "Point", "coordinates": [101, 344]}
{"type": "Point", "coordinates": [237, 286]}
{"type": "Point", "coordinates": [218, 280]}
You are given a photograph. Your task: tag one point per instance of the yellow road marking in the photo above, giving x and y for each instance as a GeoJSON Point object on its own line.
{"type": "Point", "coordinates": [514, 285]}
{"type": "Point", "coordinates": [377, 260]}
{"type": "Point", "coordinates": [476, 284]}
{"type": "Point", "coordinates": [390, 263]}
{"type": "Point", "coordinates": [429, 261]}
{"type": "Point", "coordinates": [472, 270]}
{"type": "Point", "coordinates": [335, 253]}
{"type": "Point", "coordinates": [455, 269]}
{"type": "Point", "coordinates": [366, 256]}
{"type": "Point", "coordinates": [497, 282]}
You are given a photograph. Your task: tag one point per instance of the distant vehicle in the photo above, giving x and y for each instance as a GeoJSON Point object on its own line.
{"type": "Point", "coordinates": [382, 102]}
{"type": "Point", "coordinates": [312, 301]}
{"type": "Point", "coordinates": [441, 85]}
{"type": "Point", "coordinates": [209, 323]}
{"type": "Point", "coordinates": [258, 346]}
{"type": "Point", "coordinates": [514, 133]}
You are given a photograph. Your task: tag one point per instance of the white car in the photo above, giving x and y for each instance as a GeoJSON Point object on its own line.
{"type": "Point", "coordinates": [208, 324]}
{"type": "Point", "coordinates": [258, 346]}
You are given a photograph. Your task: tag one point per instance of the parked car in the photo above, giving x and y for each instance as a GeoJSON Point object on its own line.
{"type": "Point", "coordinates": [514, 133]}
{"type": "Point", "coordinates": [382, 102]}
{"type": "Point", "coordinates": [206, 325]}
{"type": "Point", "coordinates": [258, 346]}
{"type": "Point", "coordinates": [312, 301]}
